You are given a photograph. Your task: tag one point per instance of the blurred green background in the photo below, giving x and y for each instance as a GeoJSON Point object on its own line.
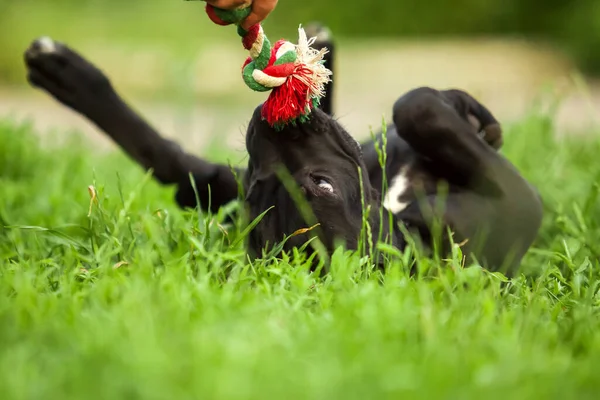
{"type": "Point", "coordinates": [571, 26]}
{"type": "Point", "coordinates": [182, 71]}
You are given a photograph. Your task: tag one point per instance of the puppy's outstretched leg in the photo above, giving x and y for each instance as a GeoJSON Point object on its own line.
{"type": "Point", "coordinates": [78, 84]}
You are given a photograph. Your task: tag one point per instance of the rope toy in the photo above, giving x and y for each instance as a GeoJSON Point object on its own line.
{"type": "Point", "coordinates": [295, 74]}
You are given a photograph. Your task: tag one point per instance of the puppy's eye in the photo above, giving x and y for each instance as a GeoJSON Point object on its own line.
{"type": "Point", "coordinates": [323, 184]}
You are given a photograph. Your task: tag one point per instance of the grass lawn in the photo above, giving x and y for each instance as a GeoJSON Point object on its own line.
{"type": "Point", "coordinates": [139, 300]}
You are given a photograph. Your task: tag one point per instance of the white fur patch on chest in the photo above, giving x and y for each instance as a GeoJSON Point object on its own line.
{"type": "Point", "coordinates": [399, 186]}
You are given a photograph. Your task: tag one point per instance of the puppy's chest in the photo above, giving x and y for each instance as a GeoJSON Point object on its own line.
{"type": "Point", "coordinates": [409, 182]}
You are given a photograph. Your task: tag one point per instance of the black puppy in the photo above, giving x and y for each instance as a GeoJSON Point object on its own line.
{"type": "Point", "coordinates": [437, 138]}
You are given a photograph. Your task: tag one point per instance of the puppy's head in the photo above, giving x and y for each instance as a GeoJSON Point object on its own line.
{"type": "Point", "coordinates": [324, 163]}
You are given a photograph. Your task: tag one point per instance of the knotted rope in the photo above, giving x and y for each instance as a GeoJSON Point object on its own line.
{"type": "Point", "coordinates": [295, 74]}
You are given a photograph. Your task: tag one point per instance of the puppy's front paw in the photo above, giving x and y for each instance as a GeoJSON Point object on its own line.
{"type": "Point", "coordinates": [64, 74]}
{"type": "Point", "coordinates": [477, 115]}
{"type": "Point", "coordinates": [492, 134]}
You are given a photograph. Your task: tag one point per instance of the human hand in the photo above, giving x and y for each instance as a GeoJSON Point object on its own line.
{"type": "Point", "coordinates": [260, 9]}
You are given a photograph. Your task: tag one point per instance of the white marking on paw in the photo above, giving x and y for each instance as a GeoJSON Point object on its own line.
{"type": "Point", "coordinates": [400, 184]}
{"type": "Point", "coordinates": [47, 45]}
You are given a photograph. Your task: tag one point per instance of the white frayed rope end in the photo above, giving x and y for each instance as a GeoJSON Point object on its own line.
{"type": "Point", "coordinates": [312, 59]}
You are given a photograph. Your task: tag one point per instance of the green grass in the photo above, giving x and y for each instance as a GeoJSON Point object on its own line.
{"type": "Point", "coordinates": [188, 317]}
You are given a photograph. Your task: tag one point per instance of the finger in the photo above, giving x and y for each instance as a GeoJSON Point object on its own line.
{"type": "Point", "coordinates": [226, 4]}
{"type": "Point", "coordinates": [260, 10]}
